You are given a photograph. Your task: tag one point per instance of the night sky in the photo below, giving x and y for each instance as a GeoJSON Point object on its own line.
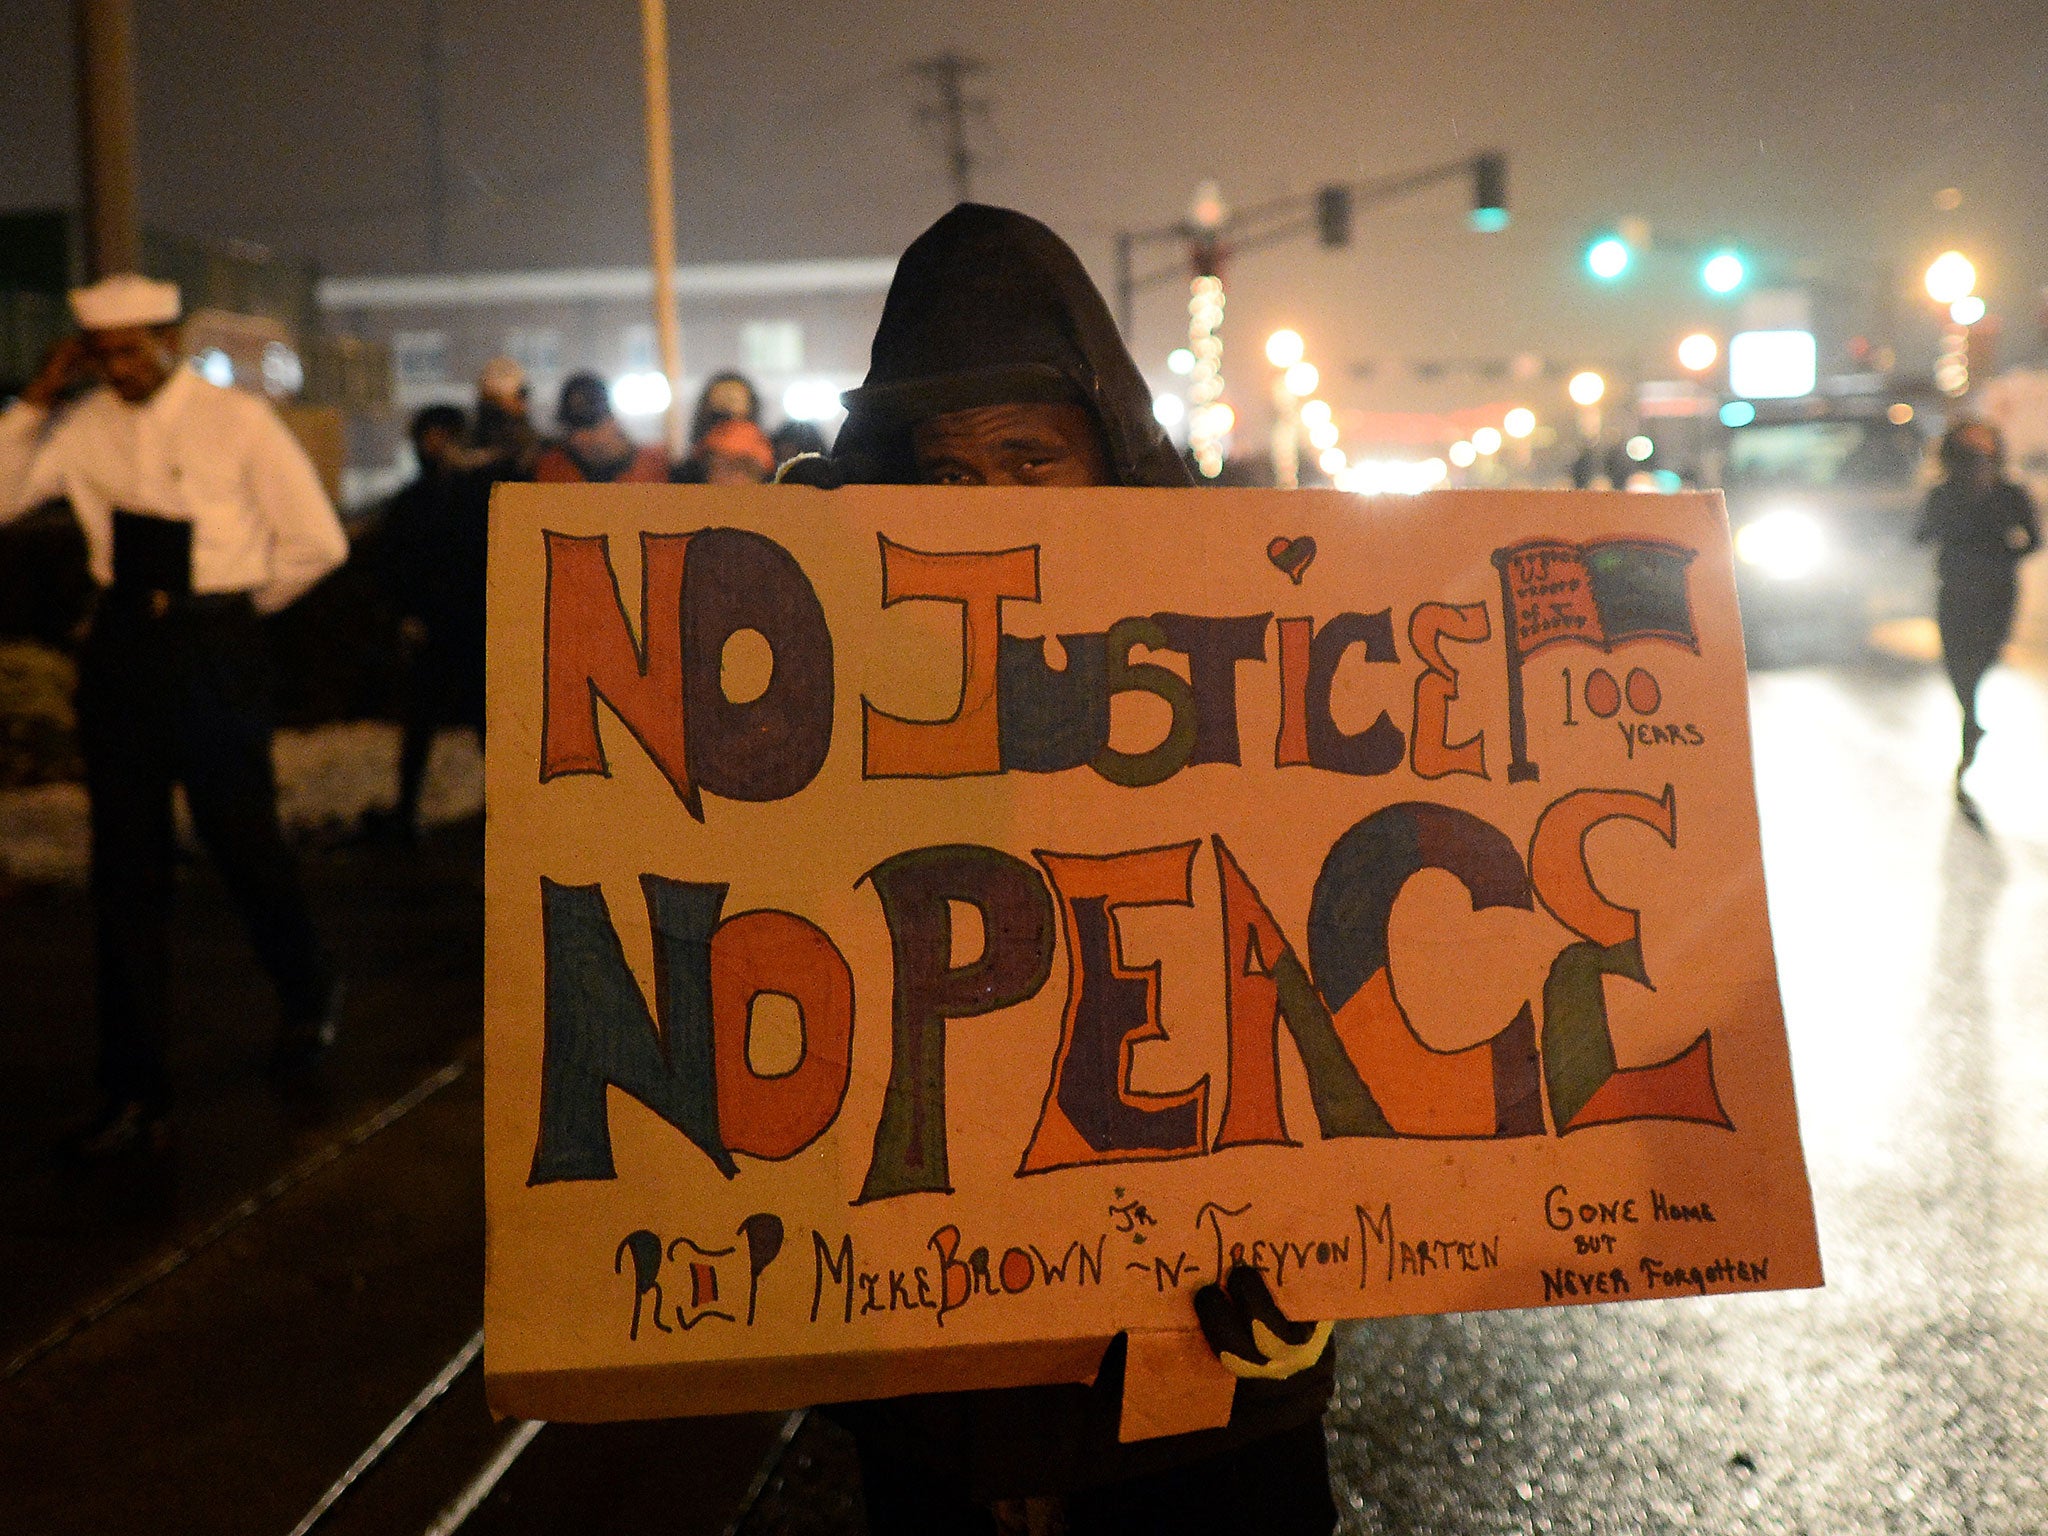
{"type": "Point", "coordinates": [1815, 137]}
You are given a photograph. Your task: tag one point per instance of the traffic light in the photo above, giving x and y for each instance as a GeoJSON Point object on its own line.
{"type": "Point", "coordinates": [1490, 192]}
{"type": "Point", "coordinates": [1723, 272]}
{"type": "Point", "coordinates": [1333, 216]}
{"type": "Point", "coordinates": [1608, 257]}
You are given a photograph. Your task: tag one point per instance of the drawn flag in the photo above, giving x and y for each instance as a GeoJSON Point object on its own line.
{"type": "Point", "coordinates": [1601, 594]}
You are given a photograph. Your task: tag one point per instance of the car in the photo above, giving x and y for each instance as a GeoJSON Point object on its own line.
{"type": "Point", "coordinates": [1823, 494]}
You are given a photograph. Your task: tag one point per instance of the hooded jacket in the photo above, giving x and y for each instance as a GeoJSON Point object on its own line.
{"type": "Point", "coordinates": [989, 307]}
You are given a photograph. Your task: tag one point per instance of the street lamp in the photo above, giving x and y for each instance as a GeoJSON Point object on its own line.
{"type": "Point", "coordinates": [1285, 348]}
{"type": "Point", "coordinates": [1586, 388]}
{"type": "Point", "coordinates": [1697, 352]}
{"type": "Point", "coordinates": [1302, 379]}
{"type": "Point", "coordinates": [1950, 276]}
{"type": "Point", "coordinates": [1519, 422]}
{"type": "Point", "coordinates": [1487, 440]}
{"type": "Point", "coordinates": [1967, 310]}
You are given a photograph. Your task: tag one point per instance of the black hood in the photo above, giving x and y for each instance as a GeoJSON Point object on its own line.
{"type": "Point", "coordinates": [989, 307]}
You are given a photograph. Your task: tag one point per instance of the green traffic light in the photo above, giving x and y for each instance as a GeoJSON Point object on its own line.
{"type": "Point", "coordinates": [1723, 272]}
{"type": "Point", "coordinates": [1608, 258]}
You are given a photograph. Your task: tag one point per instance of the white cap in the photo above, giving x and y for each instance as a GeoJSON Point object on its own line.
{"type": "Point", "coordinates": [125, 299]}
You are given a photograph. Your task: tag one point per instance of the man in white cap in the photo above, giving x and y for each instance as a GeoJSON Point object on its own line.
{"type": "Point", "coordinates": [201, 514]}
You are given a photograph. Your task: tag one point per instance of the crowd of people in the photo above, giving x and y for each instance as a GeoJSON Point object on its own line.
{"type": "Point", "coordinates": [434, 530]}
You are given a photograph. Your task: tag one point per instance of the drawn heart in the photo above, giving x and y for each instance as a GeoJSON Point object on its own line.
{"type": "Point", "coordinates": [1292, 557]}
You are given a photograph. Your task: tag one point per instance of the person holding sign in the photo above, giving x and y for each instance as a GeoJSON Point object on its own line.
{"type": "Point", "coordinates": [996, 363]}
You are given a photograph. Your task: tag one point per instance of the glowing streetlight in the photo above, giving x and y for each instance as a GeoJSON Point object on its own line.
{"type": "Point", "coordinates": [1951, 276]}
{"type": "Point", "coordinates": [1180, 361]}
{"type": "Point", "coordinates": [1333, 461]}
{"type": "Point", "coordinates": [1323, 436]}
{"type": "Point", "coordinates": [1463, 453]}
{"type": "Point", "coordinates": [1315, 412]}
{"type": "Point", "coordinates": [1519, 422]}
{"type": "Point", "coordinates": [1639, 448]}
{"type": "Point", "coordinates": [1285, 348]}
{"type": "Point", "coordinates": [1487, 440]}
{"type": "Point", "coordinates": [1967, 310]}
{"type": "Point", "coordinates": [1698, 351]}
{"type": "Point", "coordinates": [1586, 388]}
{"type": "Point", "coordinates": [1302, 379]}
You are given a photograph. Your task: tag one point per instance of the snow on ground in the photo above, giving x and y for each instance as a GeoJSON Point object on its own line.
{"type": "Point", "coordinates": [327, 778]}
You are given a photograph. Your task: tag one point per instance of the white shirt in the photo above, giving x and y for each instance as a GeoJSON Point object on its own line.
{"type": "Point", "coordinates": [216, 458]}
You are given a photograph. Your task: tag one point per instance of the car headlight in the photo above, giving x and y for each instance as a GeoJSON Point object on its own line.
{"type": "Point", "coordinates": [1786, 544]}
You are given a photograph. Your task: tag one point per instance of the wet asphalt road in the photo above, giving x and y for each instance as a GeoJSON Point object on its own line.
{"type": "Point", "coordinates": [1911, 1395]}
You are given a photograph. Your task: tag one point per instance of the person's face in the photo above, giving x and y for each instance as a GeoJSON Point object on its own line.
{"type": "Point", "coordinates": [732, 469]}
{"type": "Point", "coordinates": [730, 397]}
{"type": "Point", "coordinates": [135, 360]}
{"type": "Point", "coordinates": [1011, 445]}
{"type": "Point", "coordinates": [435, 447]}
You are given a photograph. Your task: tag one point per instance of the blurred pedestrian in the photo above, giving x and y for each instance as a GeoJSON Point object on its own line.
{"type": "Point", "coordinates": [1982, 525]}
{"type": "Point", "coordinates": [503, 439]}
{"type": "Point", "coordinates": [437, 537]}
{"type": "Point", "coordinates": [201, 514]}
{"type": "Point", "coordinates": [733, 452]}
{"type": "Point", "coordinates": [793, 439]}
{"type": "Point", "coordinates": [997, 364]}
{"type": "Point", "coordinates": [727, 396]}
{"type": "Point", "coordinates": [593, 447]}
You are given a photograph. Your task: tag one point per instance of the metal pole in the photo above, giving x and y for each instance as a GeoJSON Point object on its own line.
{"type": "Point", "coordinates": [106, 136]}
{"type": "Point", "coordinates": [661, 213]}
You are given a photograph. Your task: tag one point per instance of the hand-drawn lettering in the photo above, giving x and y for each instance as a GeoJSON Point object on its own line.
{"type": "Point", "coordinates": [1091, 1113]}
{"type": "Point", "coordinates": [969, 741]}
{"type": "Point", "coordinates": [1161, 761]}
{"type": "Point", "coordinates": [1587, 1085]}
{"type": "Point", "coordinates": [1017, 918]}
{"type": "Point", "coordinates": [1431, 753]}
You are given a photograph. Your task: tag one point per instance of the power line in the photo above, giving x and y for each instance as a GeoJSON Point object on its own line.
{"type": "Point", "coordinates": [948, 74]}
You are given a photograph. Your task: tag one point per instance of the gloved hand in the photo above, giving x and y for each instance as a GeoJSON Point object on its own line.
{"type": "Point", "coordinates": [1248, 1332]}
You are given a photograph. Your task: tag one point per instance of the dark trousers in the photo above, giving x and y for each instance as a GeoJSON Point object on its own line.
{"type": "Point", "coordinates": [175, 692]}
{"type": "Point", "coordinates": [1974, 610]}
{"type": "Point", "coordinates": [1275, 1486]}
{"type": "Point", "coordinates": [446, 687]}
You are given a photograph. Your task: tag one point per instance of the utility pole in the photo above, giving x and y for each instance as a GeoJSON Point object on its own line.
{"type": "Point", "coordinates": [431, 65]}
{"type": "Point", "coordinates": [108, 174]}
{"type": "Point", "coordinates": [948, 74]}
{"type": "Point", "coordinates": [661, 212]}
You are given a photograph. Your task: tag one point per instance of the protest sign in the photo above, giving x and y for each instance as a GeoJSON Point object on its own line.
{"type": "Point", "coordinates": [931, 931]}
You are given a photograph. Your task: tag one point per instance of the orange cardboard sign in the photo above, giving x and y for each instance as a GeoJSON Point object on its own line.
{"type": "Point", "coordinates": [932, 931]}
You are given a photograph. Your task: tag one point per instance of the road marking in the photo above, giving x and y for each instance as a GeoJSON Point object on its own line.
{"type": "Point", "coordinates": [422, 1401]}
{"type": "Point", "coordinates": [480, 1486]}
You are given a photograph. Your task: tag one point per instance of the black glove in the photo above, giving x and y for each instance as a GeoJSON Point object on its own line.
{"type": "Point", "coordinates": [1248, 1332]}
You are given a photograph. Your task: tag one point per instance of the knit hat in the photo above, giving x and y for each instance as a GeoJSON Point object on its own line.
{"type": "Point", "coordinates": [737, 439]}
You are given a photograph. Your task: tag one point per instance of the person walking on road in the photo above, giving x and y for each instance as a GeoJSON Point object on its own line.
{"type": "Point", "coordinates": [201, 514]}
{"type": "Point", "coordinates": [1982, 525]}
